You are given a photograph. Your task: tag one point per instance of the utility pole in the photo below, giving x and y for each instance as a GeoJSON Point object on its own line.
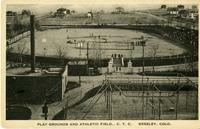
{"type": "Point", "coordinates": [147, 93]}
{"type": "Point", "coordinates": [66, 107]}
{"type": "Point", "coordinates": [110, 112]}
{"type": "Point", "coordinates": [78, 73]}
{"type": "Point", "coordinates": [64, 117]}
{"type": "Point", "coordinates": [45, 110]}
{"type": "Point", "coordinates": [105, 94]}
{"type": "Point", "coordinates": [185, 63]}
{"type": "Point", "coordinates": [80, 47]}
{"type": "Point", "coordinates": [32, 38]}
{"type": "Point", "coordinates": [79, 79]}
{"type": "Point", "coordinates": [177, 100]}
{"type": "Point", "coordinates": [131, 47]}
{"type": "Point", "coordinates": [87, 58]}
{"type": "Point", "coordinates": [186, 101]}
{"type": "Point", "coordinates": [111, 105]}
{"type": "Point", "coordinates": [107, 98]}
{"type": "Point", "coordinates": [193, 51]}
{"type": "Point", "coordinates": [94, 53]}
{"type": "Point", "coordinates": [108, 103]}
{"type": "Point", "coordinates": [100, 52]}
{"type": "Point", "coordinates": [152, 105]}
{"type": "Point", "coordinates": [87, 51]}
{"type": "Point", "coordinates": [143, 44]}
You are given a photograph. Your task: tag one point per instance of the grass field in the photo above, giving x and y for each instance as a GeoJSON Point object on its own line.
{"type": "Point", "coordinates": [114, 41]}
{"type": "Point", "coordinates": [106, 18]}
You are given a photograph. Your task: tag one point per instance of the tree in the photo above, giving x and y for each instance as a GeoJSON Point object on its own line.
{"type": "Point", "coordinates": [26, 12]}
{"type": "Point", "coordinates": [68, 11]}
{"type": "Point", "coordinates": [62, 12]}
{"type": "Point", "coordinates": [119, 10]}
{"type": "Point", "coordinates": [153, 53]}
{"type": "Point", "coordinates": [60, 53]}
{"type": "Point", "coordinates": [22, 50]}
{"type": "Point", "coordinates": [101, 11]}
{"type": "Point", "coordinates": [37, 25]}
{"type": "Point", "coordinates": [8, 49]}
{"type": "Point", "coordinates": [180, 6]}
{"type": "Point", "coordinates": [73, 11]}
{"type": "Point", "coordinates": [163, 6]}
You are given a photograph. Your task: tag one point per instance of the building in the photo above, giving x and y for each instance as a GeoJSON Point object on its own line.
{"type": "Point", "coordinates": [11, 13]}
{"type": "Point", "coordinates": [173, 11]}
{"type": "Point", "coordinates": [188, 14]}
{"type": "Point", "coordinates": [90, 14]}
{"type": "Point", "coordinates": [180, 7]}
{"type": "Point", "coordinates": [78, 68]}
{"type": "Point", "coordinates": [11, 17]}
{"type": "Point", "coordinates": [193, 14]}
{"type": "Point", "coordinates": [11, 20]}
{"type": "Point", "coordinates": [183, 13]}
{"type": "Point", "coordinates": [62, 12]}
{"type": "Point", "coordinates": [23, 86]}
{"type": "Point", "coordinates": [116, 63]}
{"type": "Point", "coordinates": [163, 6]}
{"type": "Point", "coordinates": [194, 7]}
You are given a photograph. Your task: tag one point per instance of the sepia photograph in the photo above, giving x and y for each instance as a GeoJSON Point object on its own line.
{"type": "Point", "coordinates": [102, 61]}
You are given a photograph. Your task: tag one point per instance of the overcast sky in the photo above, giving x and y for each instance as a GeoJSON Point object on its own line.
{"type": "Point", "coordinates": [82, 8]}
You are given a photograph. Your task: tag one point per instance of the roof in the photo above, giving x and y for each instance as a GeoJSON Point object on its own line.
{"type": "Point", "coordinates": [78, 62]}
{"type": "Point", "coordinates": [172, 9]}
{"type": "Point", "coordinates": [61, 9]}
{"type": "Point", "coordinates": [193, 10]}
{"type": "Point", "coordinates": [11, 13]}
{"type": "Point", "coordinates": [20, 71]}
{"type": "Point", "coordinates": [184, 11]}
{"type": "Point", "coordinates": [180, 6]}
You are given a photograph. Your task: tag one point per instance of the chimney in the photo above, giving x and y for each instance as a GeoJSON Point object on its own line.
{"type": "Point", "coordinates": [32, 39]}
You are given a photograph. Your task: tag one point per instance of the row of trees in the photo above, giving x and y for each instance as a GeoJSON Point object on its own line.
{"type": "Point", "coordinates": [22, 49]}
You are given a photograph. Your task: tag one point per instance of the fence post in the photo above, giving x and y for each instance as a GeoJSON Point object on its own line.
{"type": "Point", "coordinates": [159, 111]}
{"type": "Point", "coordinates": [64, 113]}
{"type": "Point", "coordinates": [186, 102]}
{"type": "Point", "coordinates": [152, 105]}
{"type": "Point", "coordinates": [177, 99]}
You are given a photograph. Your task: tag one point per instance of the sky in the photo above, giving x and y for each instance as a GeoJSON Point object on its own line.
{"type": "Point", "coordinates": [80, 8]}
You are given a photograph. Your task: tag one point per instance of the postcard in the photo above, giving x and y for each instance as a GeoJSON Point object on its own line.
{"type": "Point", "coordinates": [100, 64]}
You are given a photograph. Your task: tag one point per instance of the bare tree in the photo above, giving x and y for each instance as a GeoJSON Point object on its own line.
{"type": "Point", "coordinates": [22, 50]}
{"type": "Point", "coordinates": [163, 6]}
{"type": "Point", "coordinates": [153, 53]}
{"type": "Point", "coordinates": [101, 11]}
{"type": "Point", "coordinates": [8, 50]}
{"type": "Point", "coordinates": [60, 53]}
